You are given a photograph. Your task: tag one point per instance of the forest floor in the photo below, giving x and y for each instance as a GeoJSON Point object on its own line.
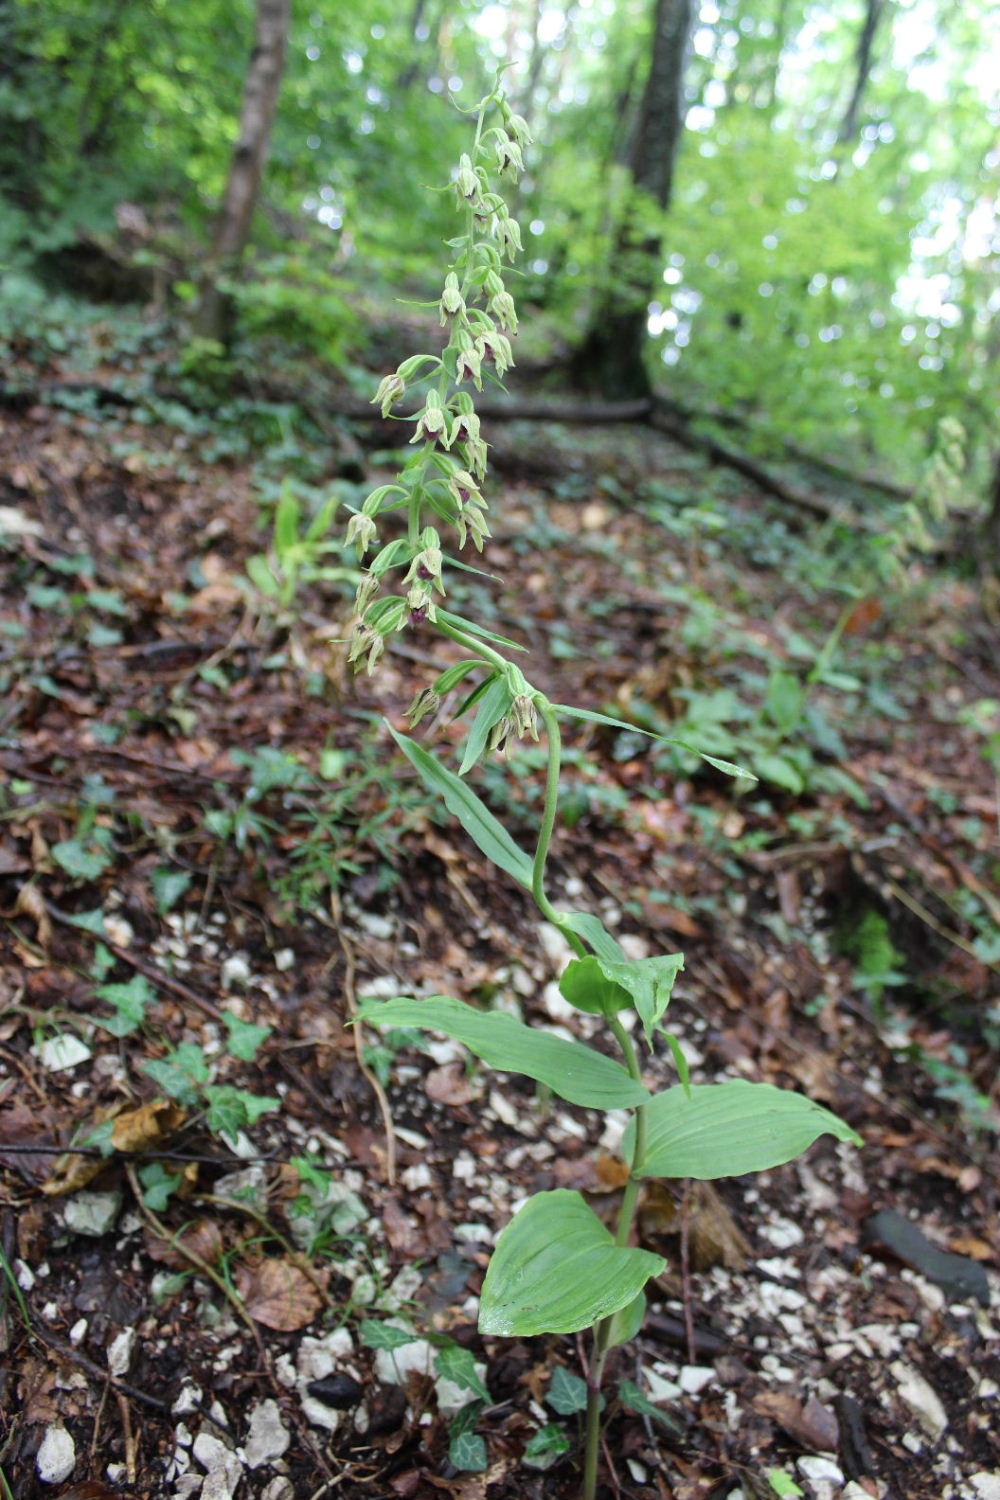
{"type": "Point", "coordinates": [255, 1273]}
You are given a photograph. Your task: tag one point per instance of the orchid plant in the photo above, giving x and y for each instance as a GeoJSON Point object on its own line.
{"type": "Point", "coordinates": [556, 1268]}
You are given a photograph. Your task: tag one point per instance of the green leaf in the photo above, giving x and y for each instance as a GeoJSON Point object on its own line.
{"type": "Point", "coordinates": [468, 1451]}
{"type": "Point", "coordinates": [588, 716]}
{"type": "Point", "coordinates": [585, 984]}
{"type": "Point", "coordinates": [376, 1335]}
{"type": "Point", "coordinates": [570, 1069]}
{"type": "Point", "coordinates": [634, 1399]}
{"type": "Point", "coordinates": [556, 1269]}
{"type": "Point", "coordinates": [452, 676]}
{"type": "Point", "coordinates": [286, 521]}
{"type": "Point", "coordinates": [260, 575]}
{"type": "Point", "coordinates": [783, 1485]}
{"type": "Point", "coordinates": [245, 1038]}
{"type": "Point", "coordinates": [496, 702]}
{"type": "Point", "coordinates": [785, 700]}
{"type": "Point", "coordinates": [459, 1366]}
{"type": "Point", "coordinates": [680, 1062]}
{"type": "Point", "coordinates": [129, 1000]}
{"type": "Point", "coordinates": [594, 984]}
{"type": "Point", "coordinates": [181, 1073]}
{"type": "Point", "coordinates": [626, 1323]}
{"type": "Point", "coordinates": [594, 932]}
{"type": "Point", "coordinates": [168, 888]}
{"type": "Point", "coordinates": [567, 1393]}
{"type": "Point", "coordinates": [159, 1185]}
{"type": "Point", "coordinates": [545, 1446]}
{"type": "Point", "coordinates": [727, 1129]}
{"type": "Point", "coordinates": [81, 858]}
{"type": "Point", "coordinates": [780, 770]}
{"type": "Point", "coordinates": [471, 628]}
{"type": "Point", "coordinates": [231, 1109]}
{"type": "Point", "coordinates": [475, 817]}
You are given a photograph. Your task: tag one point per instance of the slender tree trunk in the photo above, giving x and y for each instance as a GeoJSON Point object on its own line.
{"type": "Point", "coordinates": [260, 102]}
{"type": "Point", "coordinates": [610, 358]}
{"type": "Point", "coordinates": [862, 70]}
{"type": "Point", "coordinates": [991, 530]}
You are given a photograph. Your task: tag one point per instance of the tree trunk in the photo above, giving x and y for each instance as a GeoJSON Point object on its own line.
{"type": "Point", "coordinates": [610, 358]}
{"type": "Point", "coordinates": [991, 530]}
{"type": "Point", "coordinates": [862, 70]}
{"type": "Point", "coordinates": [260, 102]}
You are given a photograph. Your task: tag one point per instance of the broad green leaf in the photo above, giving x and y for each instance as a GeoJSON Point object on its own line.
{"type": "Point", "coordinates": [587, 715]}
{"type": "Point", "coordinates": [594, 984]}
{"type": "Point", "coordinates": [459, 1366]}
{"type": "Point", "coordinates": [585, 984]}
{"type": "Point", "coordinates": [783, 1484]}
{"type": "Point", "coordinates": [567, 1393]}
{"type": "Point", "coordinates": [594, 932]}
{"type": "Point", "coordinates": [556, 1269]}
{"type": "Point", "coordinates": [570, 1069]}
{"type": "Point", "coordinates": [496, 702]}
{"type": "Point", "coordinates": [626, 1323]}
{"type": "Point", "coordinates": [181, 1073]}
{"type": "Point", "coordinates": [727, 1129]}
{"type": "Point", "coordinates": [475, 817]}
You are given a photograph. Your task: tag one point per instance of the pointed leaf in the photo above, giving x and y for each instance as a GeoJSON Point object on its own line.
{"type": "Point", "coordinates": [471, 628]}
{"type": "Point", "coordinates": [556, 1269]}
{"type": "Point", "coordinates": [626, 1323]}
{"type": "Point", "coordinates": [570, 1069]}
{"type": "Point", "coordinates": [475, 817]}
{"type": "Point", "coordinates": [593, 932]}
{"type": "Point", "coordinates": [587, 715]}
{"type": "Point", "coordinates": [595, 984]}
{"type": "Point", "coordinates": [495, 703]}
{"type": "Point", "coordinates": [727, 1129]}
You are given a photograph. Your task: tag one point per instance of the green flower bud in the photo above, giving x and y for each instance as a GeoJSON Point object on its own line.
{"type": "Point", "coordinates": [389, 391]}
{"type": "Point", "coordinates": [361, 532]}
{"type": "Point", "coordinates": [452, 302]}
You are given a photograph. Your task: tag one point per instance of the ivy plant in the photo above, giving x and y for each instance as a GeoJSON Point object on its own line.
{"type": "Point", "coordinates": [556, 1269]}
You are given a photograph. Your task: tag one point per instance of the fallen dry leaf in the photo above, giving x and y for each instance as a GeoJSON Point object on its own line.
{"type": "Point", "coordinates": [450, 1084]}
{"type": "Point", "coordinates": [139, 1129]}
{"type": "Point", "coordinates": [201, 1238]}
{"type": "Point", "coordinates": [278, 1294]}
{"type": "Point", "coordinates": [813, 1424]}
{"type": "Point", "coordinates": [714, 1237]}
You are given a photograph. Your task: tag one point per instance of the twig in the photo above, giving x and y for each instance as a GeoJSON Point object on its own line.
{"type": "Point", "coordinates": [686, 1271]}
{"type": "Point", "coordinates": [131, 1444]}
{"type": "Point", "coordinates": [352, 1006]}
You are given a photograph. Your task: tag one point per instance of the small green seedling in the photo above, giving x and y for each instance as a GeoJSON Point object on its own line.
{"type": "Point", "coordinates": [556, 1269]}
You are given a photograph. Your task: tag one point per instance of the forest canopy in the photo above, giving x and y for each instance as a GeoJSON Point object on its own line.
{"type": "Point", "coordinates": [820, 263]}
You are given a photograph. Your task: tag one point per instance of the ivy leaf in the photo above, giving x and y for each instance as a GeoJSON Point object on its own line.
{"type": "Point", "coordinates": [567, 1393]}
{"type": "Point", "coordinates": [377, 1335]}
{"type": "Point", "coordinates": [459, 1366]}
